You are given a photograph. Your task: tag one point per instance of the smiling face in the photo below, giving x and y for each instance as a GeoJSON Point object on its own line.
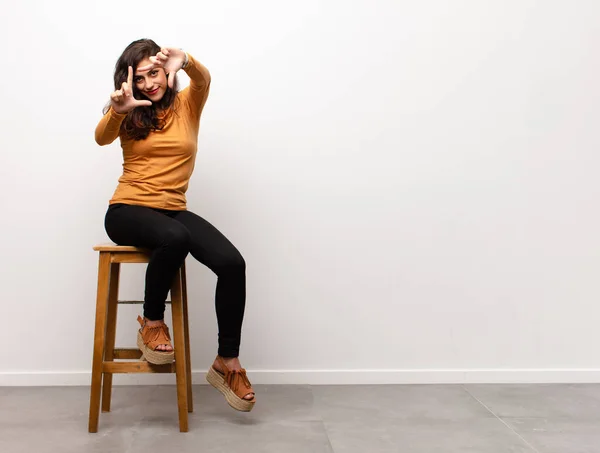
{"type": "Point", "coordinates": [152, 83]}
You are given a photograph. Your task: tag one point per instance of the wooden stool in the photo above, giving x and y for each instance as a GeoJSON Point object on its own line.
{"type": "Point", "coordinates": [103, 365]}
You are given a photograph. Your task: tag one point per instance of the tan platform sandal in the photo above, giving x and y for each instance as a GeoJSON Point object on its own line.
{"type": "Point", "coordinates": [234, 385]}
{"type": "Point", "coordinates": [148, 338]}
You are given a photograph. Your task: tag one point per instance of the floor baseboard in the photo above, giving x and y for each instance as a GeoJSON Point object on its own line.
{"type": "Point", "coordinates": [324, 377]}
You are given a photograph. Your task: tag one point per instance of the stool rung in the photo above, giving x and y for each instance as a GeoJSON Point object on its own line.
{"type": "Point", "coordinates": [137, 367]}
{"type": "Point", "coordinates": [131, 302]}
{"type": "Point", "coordinates": [127, 353]}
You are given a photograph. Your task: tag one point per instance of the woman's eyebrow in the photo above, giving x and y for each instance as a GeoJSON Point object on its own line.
{"type": "Point", "coordinates": [139, 74]}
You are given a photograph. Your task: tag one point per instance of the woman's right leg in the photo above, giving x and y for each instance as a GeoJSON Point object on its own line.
{"type": "Point", "coordinates": [169, 240]}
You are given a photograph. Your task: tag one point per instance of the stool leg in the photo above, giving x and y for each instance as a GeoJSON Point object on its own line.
{"type": "Point", "coordinates": [178, 337]}
{"type": "Point", "coordinates": [99, 334]}
{"type": "Point", "coordinates": [186, 331]}
{"type": "Point", "coordinates": [111, 331]}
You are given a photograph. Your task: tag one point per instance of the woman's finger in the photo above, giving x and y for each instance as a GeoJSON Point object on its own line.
{"type": "Point", "coordinates": [142, 103]}
{"type": "Point", "coordinates": [162, 56]}
{"type": "Point", "coordinates": [125, 89]}
{"type": "Point", "coordinates": [147, 67]}
{"type": "Point", "coordinates": [157, 61]}
{"type": "Point", "coordinates": [117, 96]}
{"type": "Point", "coordinates": [130, 75]}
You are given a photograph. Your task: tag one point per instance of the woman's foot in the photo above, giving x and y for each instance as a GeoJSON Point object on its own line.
{"type": "Point", "coordinates": [233, 364]}
{"type": "Point", "coordinates": [160, 347]}
{"type": "Point", "coordinates": [229, 378]}
{"type": "Point", "coordinates": [154, 341]}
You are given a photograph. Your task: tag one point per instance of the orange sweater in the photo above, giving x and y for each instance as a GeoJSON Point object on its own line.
{"type": "Point", "coordinates": [157, 170]}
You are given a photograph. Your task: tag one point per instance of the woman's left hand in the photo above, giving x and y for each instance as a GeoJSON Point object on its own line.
{"type": "Point", "coordinates": [170, 59]}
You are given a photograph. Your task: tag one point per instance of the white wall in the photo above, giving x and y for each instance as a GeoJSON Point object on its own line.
{"type": "Point", "coordinates": [414, 185]}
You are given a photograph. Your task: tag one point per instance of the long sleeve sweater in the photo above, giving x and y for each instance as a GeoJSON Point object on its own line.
{"type": "Point", "coordinates": [157, 170]}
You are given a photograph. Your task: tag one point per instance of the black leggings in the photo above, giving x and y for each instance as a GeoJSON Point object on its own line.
{"type": "Point", "coordinates": [172, 235]}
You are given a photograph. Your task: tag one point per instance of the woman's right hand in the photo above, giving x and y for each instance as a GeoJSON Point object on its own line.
{"type": "Point", "coordinates": [122, 101]}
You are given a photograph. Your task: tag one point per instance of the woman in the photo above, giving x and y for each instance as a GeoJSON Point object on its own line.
{"type": "Point", "coordinates": [158, 130]}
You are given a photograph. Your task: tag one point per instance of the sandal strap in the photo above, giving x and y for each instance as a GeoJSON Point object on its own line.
{"type": "Point", "coordinates": [237, 377]}
{"type": "Point", "coordinates": [237, 380]}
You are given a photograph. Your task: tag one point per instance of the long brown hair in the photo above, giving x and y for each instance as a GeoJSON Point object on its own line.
{"type": "Point", "coordinates": [140, 121]}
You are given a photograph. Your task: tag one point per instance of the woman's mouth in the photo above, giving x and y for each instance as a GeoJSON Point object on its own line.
{"type": "Point", "coordinates": [153, 92]}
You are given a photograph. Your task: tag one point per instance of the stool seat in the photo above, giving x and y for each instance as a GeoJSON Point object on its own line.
{"type": "Point", "coordinates": [110, 247]}
{"type": "Point", "coordinates": [111, 256]}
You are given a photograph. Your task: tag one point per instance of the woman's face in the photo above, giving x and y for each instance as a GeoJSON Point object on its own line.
{"type": "Point", "coordinates": [152, 83]}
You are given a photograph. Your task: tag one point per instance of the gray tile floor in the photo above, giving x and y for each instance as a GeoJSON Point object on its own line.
{"type": "Point", "coordinates": [288, 419]}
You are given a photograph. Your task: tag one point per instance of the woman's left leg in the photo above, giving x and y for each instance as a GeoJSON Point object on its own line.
{"type": "Point", "coordinates": [214, 250]}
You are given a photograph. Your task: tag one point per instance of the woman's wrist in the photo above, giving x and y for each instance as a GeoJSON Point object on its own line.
{"type": "Point", "coordinates": [185, 63]}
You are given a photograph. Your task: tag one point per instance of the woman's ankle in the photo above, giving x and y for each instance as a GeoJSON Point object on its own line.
{"type": "Point", "coordinates": [232, 363]}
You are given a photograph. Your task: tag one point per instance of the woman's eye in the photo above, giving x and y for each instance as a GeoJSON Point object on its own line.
{"type": "Point", "coordinates": [153, 73]}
